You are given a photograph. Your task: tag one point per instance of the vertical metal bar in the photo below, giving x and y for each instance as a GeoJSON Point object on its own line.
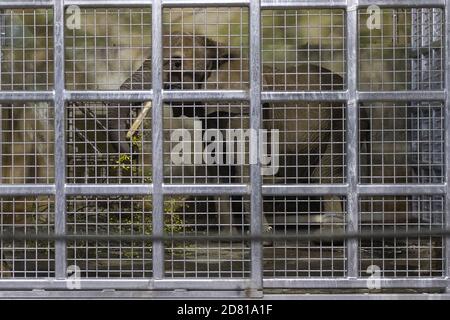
{"type": "Point", "coordinates": [352, 137]}
{"type": "Point", "coordinates": [2, 45]}
{"type": "Point", "coordinates": [60, 156]}
{"type": "Point", "coordinates": [157, 136]}
{"type": "Point", "coordinates": [256, 205]}
{"type": "Point", "coordinates": [447, 136]}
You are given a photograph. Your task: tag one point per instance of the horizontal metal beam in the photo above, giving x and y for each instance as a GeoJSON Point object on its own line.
{"type": "Point", "coordinates": [265, 4]}
{"type": "Point", "coordinates": [205, 3]}
{"type": "Point", "coordinates": [403, 3]}
{"type": "Point", "coordinates": [202, 284]}
{"type": "Point", "coordinates": [206, 189]}
{"type": "Point", "coordinates": [361, 283]}
{"type": "Point", "coordinates": [293, 236]}
{"type": "Point", "coordinates": [219, 284]}
{"type": "Point", "coordinates": [109, 189]}
{"type": "Point", "coordinates": [129, 294]}
{"type": "Point", "coordinates": [359, 296]}
{"type": "Point", "coordinates": [25, 4]}
{"type": "Point", "coordinates": [271, 4]}
{"type": "Point", "coordinates": [304, 96]}
{"type": "Point", "coordinates": [120, 3]}
{"type": "Point", "coordinates": [401, 96]}
{"type": "Point", "coordinates": [25, 96]}
{"type": "Point", "coordinates": [308, 190]}
{"type": "Point", "coordinates": [227, 95]}
{"type": "Point", "coordinates": [221, 189]}
{"type": "Point", "coordinates": [419, 189]}
{"type": "Point", "coordinates": [222, 294]}
{"type": "Point", "coordinates": [205, 95]}
{"type": "Point", "coordinates": [304, 189]}
{"type": "Point", "coordinates": [126, 284]}
{"type": "Point", "coordinates": [108, 95]}
{"type": "Point", "coordinates": [109, 3]}
{"type": "Point", "coordinates": [26, 189]}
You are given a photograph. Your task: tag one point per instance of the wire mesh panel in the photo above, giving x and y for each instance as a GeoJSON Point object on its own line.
{"type": "Point", "coordinates": [401, 142]}
{"type": "Point", "coordinates": [427, 74]}
{"type": "Point", "coordinates": [398, 149]}
{"type": "Point", "coordinates": [27, 50]}
{"type": "Point", "coordinates": [27, 143]}
{"type": "Point", "coordinates": [400, 257]}
{"type": "Point", "coordinates": [427, 37]}
{"type": "Point", "coordinates": [303, 44]}
{"type": "Point", "coordinates": [207, 258]}
{"type": "Point", "coordinates": [305, 216]}
{"type": "Point", "coordinates": [106, 47]}
{"type": "Point", "coordinates": [211, 147]}
{"type": "Point", "coordinates": [27, 258]}
{"type": "Point", "coordinates": [319, 139]}
{"type": "Point", "coordinates": [205, 48]}
{"type": "Point", "coordinates": [98, 149]}
{"type": "Point", "coordinates": [387, 51]}
{"type": "Point", "coordinates": [110, 216]}
{"type": "Point", "coordinates": [309, 142]}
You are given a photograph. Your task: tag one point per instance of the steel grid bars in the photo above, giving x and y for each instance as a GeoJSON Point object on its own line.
{"type": "Point", "coordinates": [265, 4]}
{"type": "Point", "coordinates": [157, 137]}
{"type": "Point", "coordinates": [60, 142]}
{"type": "Point", "coordinates": [255, 126]}
{"type": "Point", "coordinates": [447, 138]}
{"type": "Point", "coordinates": [352, 137]}
{"type": "Point", "coordinates": [352, 190]}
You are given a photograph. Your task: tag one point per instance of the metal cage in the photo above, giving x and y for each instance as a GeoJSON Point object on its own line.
{"type": "Point", "coordinates": [95, 218]}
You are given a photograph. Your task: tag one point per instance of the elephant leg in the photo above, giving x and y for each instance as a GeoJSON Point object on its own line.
{"type": "Point", "coordinates": [225, 216]}
{"type": "Point", "coordinates": [266, 227]}
{"type": "Point", "coordinates": [332, 217]}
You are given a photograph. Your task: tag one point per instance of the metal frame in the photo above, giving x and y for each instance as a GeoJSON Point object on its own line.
{"type": "Point", "coordinates": [352, 139]}
{"type": "Point", "coordinates": [447, 137]}
{"type": "Point", "coordinates": [241, 287]}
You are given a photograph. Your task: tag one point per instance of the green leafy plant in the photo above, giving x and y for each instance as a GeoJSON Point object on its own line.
{"type": "Point", "coordinates": [142, 223]}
